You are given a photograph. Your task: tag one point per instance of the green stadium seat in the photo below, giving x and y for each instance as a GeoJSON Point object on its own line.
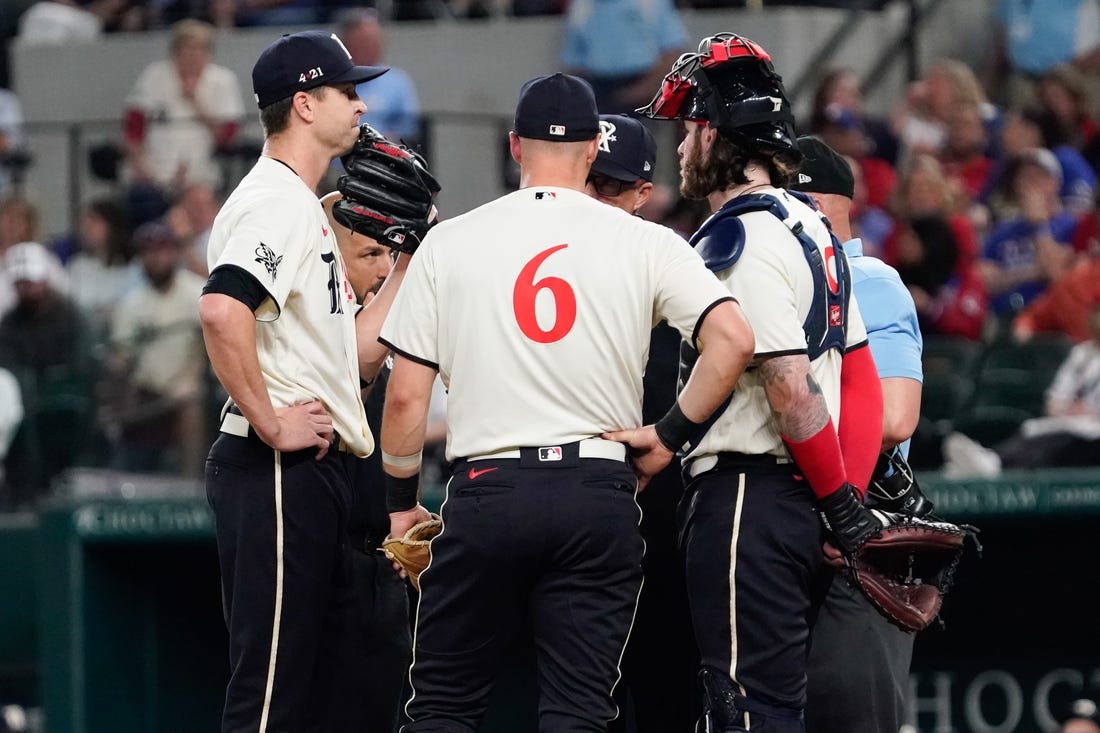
{"type": "Point", "coordinates": [949, 355]}
{"type": "Point", "coordinates": [990, 424]}
{"type": "Point", "coordinates": [944, 394]}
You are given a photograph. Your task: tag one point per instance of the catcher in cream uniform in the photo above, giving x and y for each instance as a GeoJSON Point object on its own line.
{"type": "Point", "coordinates": [783, 449]}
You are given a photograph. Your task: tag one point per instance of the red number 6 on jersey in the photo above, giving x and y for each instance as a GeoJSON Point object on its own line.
{"type": "Point", "coordinates": [527, 289]}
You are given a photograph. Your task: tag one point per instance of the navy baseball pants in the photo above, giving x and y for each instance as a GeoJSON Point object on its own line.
{"type": "Point", "coordinates": [288, 588]}
{"type": "Point", "coordinates": [557, 550]}
{"type": "Point", "coordinates": [751, 542]}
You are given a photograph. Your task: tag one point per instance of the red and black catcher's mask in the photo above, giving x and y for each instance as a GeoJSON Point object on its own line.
{"type": "Point", "coordinates": [731, 84]}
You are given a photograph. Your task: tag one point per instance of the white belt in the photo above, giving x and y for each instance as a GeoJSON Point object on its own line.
{"type": "Point", "coordinates": [589, 448]}
{"type": "Point", "coordinates": [701, 465]}
{"type": "Point", "coordinates": [235, 424]}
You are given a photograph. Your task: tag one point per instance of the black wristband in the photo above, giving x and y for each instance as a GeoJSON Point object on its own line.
{"type": "Point", "coordinates": [674, 429]}
{"type": "Point", "coordinates": [402, 494]}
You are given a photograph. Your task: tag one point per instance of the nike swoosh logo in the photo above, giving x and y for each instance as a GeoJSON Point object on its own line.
{"type": "Point", "coordinates": [475, 472]}
{"type": "Point", "coordinates": [324, 232]}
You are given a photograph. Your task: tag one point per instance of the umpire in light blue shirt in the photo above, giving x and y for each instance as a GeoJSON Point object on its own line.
{"type": "Point", "coordinates": [868, 694]}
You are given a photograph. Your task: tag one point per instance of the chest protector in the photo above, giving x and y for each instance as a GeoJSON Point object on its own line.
{"type": "Point", "coordinates": [721, 240]}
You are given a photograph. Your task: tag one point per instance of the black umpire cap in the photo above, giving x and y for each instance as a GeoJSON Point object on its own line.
{"type": "Point", "coordinates": [558, 107]}
{"type": "Point", "coordinates": [300, 61]}
{"type": "Point", "coordinates": [823, 169]}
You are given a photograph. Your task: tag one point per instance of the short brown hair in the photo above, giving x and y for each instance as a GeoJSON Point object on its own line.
{"type": "Point", "coordinates": [275, 117]}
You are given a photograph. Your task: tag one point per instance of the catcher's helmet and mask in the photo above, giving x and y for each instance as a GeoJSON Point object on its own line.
{"type": "Point", "coordinates": [731, 84]}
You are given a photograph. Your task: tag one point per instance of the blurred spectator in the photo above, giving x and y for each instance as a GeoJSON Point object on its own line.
{"type": "Point", "coordinates": [623, 48]}
{"type": "Point", "coordinates": [101, 269]}
{"type": "Point", "coordinates": [1031, 37]}
{"type": "Point", "coordinates": [1064, 90]}
{"type": "Point", "coordinates": [871, 224]}
{"type": "Point", "coordinates": [151, 390]}
{"type": "Point", "coordinates": [1035, 127]}
{"type": "Point", "coordinates": [191, 218]}
{"type": "Point", "coordinates": [843, 131]}
{"type": "Point", "coordinates": [922, 117]}
{"type": "Point", "coordinates": [20, 222]}
{"type": "Point", "coordinates": [13, 155]}
{"type": "Point", "coordinates": [839, 91]}
{"type": "Point", "coordinates": [218, 13]}
{"type": "Point", "coordinates": [1030, 247]}
{"type": "Point", "coordinates": [1069, 433]}
{"type": "Point", "coordinates": [279, 12]}
{"type": "Point", "coordinates": [61, 22]}
{"type": "Point", "coordinates": [1063, 307]}
{"type": "Point", "coordinates": [934, 248]}
{"type": "Point", "coordinates": [180, 112]}
{"type": "Point", "coordinates": [1086, 236]}
{"type": "Point", "coordinates": [965, 161]}
{"type": "Point", "coordinates": [393, 107]}
{"type": "Point", "coordinates": [43, 342]}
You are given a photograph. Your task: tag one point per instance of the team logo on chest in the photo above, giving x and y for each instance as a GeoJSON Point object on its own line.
{"type": "Point", "coordinates": [266, 257]}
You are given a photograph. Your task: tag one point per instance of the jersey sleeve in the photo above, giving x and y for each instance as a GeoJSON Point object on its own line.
{"type": "Point", "coordinates": [686, 288]}
{"type": "Point", "coordinates": [412, 323]}
{"type": "Point", "coordinates": [269, 242]}
{"type": "Point", "coordinates": [894, 334]}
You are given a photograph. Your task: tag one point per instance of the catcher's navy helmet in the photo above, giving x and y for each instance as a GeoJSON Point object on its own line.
{"type": "Point", "coordinates": [730, 83]}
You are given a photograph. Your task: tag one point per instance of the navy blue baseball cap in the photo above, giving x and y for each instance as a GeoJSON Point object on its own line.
{"type": "Point", "coordinates": [628, 151]}
{"type": "Point", "coordinates": [300, 61]}
{"type": "Point", "coordinates": [558, 107]}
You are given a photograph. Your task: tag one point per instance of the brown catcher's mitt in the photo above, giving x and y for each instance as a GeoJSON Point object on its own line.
{"type": "Point", "coordinates": [412, 550]}
{"type": "Point", "coordinates": [906, 569]}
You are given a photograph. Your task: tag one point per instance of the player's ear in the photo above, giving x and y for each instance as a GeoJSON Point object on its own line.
{"type": "Point", "coordinates": [515, 147]}
{"type": "Point", "coordinates": [645, 191]}
{"type": "Point", "coordinates": [593, 150]}
{"type": "Point", "coordinates": [302, 104]}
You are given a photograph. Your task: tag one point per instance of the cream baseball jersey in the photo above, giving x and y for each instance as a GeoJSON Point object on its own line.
{"type": "Point", "coordinates": [537, 310]}
{"type": "Point", "coordinates": [274, 227]}
{"type": "Point", "coordinates": [774, 284]}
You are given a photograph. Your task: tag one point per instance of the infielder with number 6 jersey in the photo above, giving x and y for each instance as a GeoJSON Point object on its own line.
{"type": "Point", "coordinates": [536, 310]}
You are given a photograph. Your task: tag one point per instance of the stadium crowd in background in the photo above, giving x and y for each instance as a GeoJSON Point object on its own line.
{"type": "Point", "coordinates": [979, 184]}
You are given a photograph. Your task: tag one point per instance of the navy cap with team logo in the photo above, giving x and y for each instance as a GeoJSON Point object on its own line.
{"type": "Point", "coordinates": [300, 61]}
{"type": "Point", "coordinates": [557, 107]}
{"type": "Point", "coordinates": [823, 169]}
{"type": "Point", "coordinates": [628, 151]}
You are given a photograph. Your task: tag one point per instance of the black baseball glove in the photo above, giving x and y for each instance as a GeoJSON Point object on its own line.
{"type": "Point", "coordinates": [387, 192]}
{"type": "Point", "coordinates": [893, 487]}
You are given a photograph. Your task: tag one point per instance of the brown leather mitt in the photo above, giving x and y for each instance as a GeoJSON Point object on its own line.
{"type": "Point", "coordinates": [906, 568]}
{"type": "Point", "coordinates": [413, 549]}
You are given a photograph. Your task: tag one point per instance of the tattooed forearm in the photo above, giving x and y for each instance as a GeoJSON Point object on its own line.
{"type": "Point", "coordinates": [795, 396]}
